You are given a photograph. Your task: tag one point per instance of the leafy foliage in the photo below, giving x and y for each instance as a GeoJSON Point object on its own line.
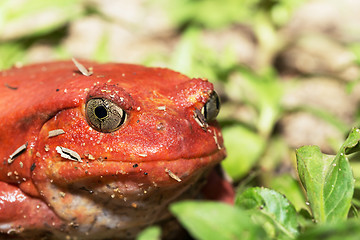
{"type": "Point", "coordinates": [328, 180]}
{"type": "Point", "coordinates": [230, 11]}
{"type": "Point", "coordinates": [34, 11]}
{"type": "Point", "coordinates": [349, 230]}
{"type": "Point", "coordinates": [329, 186]}
{"type": "Point", "coordinates": [249, 146]}
{"type": "Point", "coordinates": [272, 209]}
{"type": "Point", "coordinates": [150, 233]}
{"type": "Point", "coordinates": [212, 220]}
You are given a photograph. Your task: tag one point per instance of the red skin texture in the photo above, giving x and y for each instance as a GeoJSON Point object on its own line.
{"type": "Point", "coordinates": [43, 97]}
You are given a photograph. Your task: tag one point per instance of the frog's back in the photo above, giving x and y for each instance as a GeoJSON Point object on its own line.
{"type": "Point", "coordinates": [48, 87]}
{"type": "Point", "coordinates": [33, 94]}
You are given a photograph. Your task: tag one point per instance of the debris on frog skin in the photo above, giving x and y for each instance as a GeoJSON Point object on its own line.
{"type": "Point", "coordinates": [56, 132]}
{"type": "Point", "coordinates": [81, 68]}
{"type": "Point", "coordinates": [47, 148]}
{"type": "Point", "coordinates": [172, 175]}
{"type": "Point", "coordinates": [199, 118]}
{"type": "Point", "coordinates": [105, 91]}
{"type": "Point", "coordinates": [216, 140]}
{"type": "Point", "coordinates": [87, 190]}
{"type": "Point", "coordinates": [162, 108]}
{"type": "Point", "coordinates": [89, 156]}
{"type": "Point", "coordinates": [73, 224]}
{"type": "Point", "coordinates": [17, 152]}
{"type": "Point", "coordinates": [32, 167]}
{"type": "Point", "coordinates": [10, 87]}
{"type": "Point", "coordinates": [68, 154]}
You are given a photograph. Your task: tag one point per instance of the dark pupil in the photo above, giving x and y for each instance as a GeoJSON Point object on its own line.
{"type": "Point", "coordinates": [100, 112]}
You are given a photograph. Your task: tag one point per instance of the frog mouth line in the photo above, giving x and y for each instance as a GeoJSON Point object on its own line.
{"type": "Point", "coordinates": [68, 154]}
{"type": "Point", "coordinates": [152, 171]}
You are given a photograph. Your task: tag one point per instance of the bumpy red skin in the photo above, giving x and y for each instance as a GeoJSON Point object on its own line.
{"type": "Point", "coordinates": [160, 133]}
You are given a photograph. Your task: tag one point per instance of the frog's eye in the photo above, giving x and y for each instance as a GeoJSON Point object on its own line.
{"type": "Point", "coordinates": [104, 115]}
{"type": "Point", "coordinates": [212, 107]}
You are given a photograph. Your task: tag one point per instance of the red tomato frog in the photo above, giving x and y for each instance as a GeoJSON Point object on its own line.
{"type": "Point", "coordinates": [99, 151]}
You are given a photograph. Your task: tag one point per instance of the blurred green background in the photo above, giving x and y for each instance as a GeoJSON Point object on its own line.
{"type": "Point", "coordinates": [287, 71]}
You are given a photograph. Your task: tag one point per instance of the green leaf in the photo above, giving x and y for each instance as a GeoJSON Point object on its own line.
{"type": "Point", "coordinates": [34, 17]}
{"type": "Point", "coordinates": [182, 59]}
{"type": "Point", "coordinates": [150, 233]}
{"type": "Point", "coordinates": [276, 209]}
{"type": "Point", "coordinates": [261, 91]}
{"type": "Point", "coordinates": [211, 14]}
{"type": "Point", "coordinates": [11, 52]}
{"type": "Point", "coordinates": [208, 13]}
{"type": "Point", "coordinates": [244, 148]}
{"type": "Point", "coordinates": [102, 53]}
{"type": "Point", "coordinates": [214, 221]}
{"type": "Point", "coordinates": [286, 184]}
{"type": "Point", "coordinates": [349, 230]}
{"type": "Point", "coordinates": [328, 180]}
{"type": "Point", "coordinates": [192, 57]}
